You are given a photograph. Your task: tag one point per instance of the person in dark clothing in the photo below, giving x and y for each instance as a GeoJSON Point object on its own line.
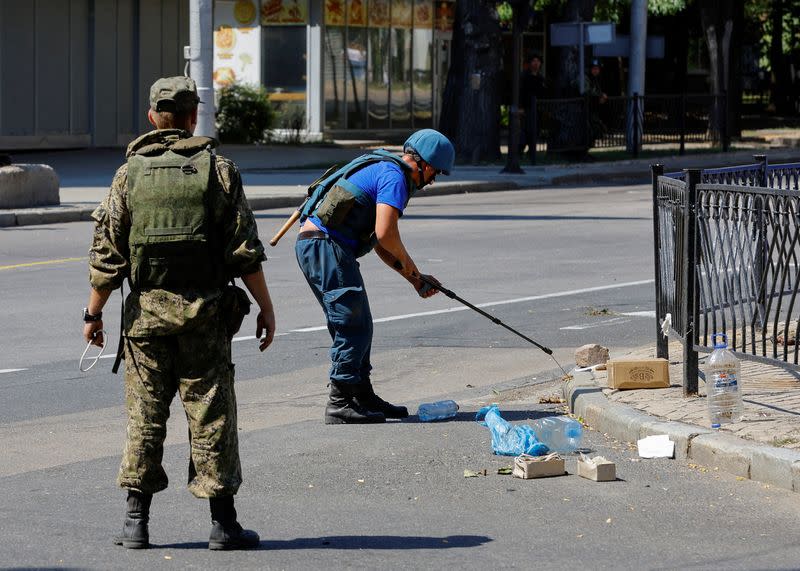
{"type": "Point", "coordinates": [532, 84]}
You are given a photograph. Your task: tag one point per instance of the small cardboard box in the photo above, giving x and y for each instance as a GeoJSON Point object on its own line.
{"type": "Point", "coordinates": [638, 374]}
{"type": "Point", "coordinates": [598, 469]}
{"type": "Point", "coordinates": [527, 467]}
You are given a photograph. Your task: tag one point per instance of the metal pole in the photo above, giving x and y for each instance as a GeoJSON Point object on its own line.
{"type": "Point", "coordinates": [512, 158]}
{"type": "Point", "coordinates": [635, 117]}
{"type": "Point", "coordinates": [689, 309]}
{"type": "Point", "coordinates": [662, 347]}
{"type": "Point", "coordinates": [534, 130]}
{"type": "Point", "coordinates": [201, 36]}
{"type": "Point", "coordinates": [636, 62]}
{"type": "Point", "coordinates": [682, 123]}
{"type": "Point", "coordinates": [580, 57]}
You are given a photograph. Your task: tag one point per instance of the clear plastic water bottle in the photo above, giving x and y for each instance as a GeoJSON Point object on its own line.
{"type": "Point", "coordinates": [723, 383]}
{"type": "Point", "coordinates": [438, 410]}
{"type": "Point", "coordinates": [559, 433]}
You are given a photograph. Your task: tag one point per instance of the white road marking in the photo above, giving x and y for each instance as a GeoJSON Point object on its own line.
{"type": "Point", "coordinates": [491, 304]}
{"type": "Point", "coordinates": [11, 370]}
{"type": "Point", "coordinates": [650, 313]}
{"type": "Point", "coordinates": [619, 320]}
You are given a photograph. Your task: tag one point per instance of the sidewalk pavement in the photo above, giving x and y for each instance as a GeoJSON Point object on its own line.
{"type": "Point", "coordinates": [764, 445]}
{"type": "Point", "coordinates": [277, 176]}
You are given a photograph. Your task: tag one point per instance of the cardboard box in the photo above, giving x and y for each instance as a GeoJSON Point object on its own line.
{"type": "Point", "coordinates": [527, 467]}
{"type": "Point", "coordinates": [638, 374]}
{"type": "Point", "coordinates": [598, 469]}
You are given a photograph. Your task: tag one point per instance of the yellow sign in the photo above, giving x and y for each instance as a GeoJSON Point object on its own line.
{"type": "Point", "coordinates": [334, 12]}
{"type": "Point", "coordinates": [284, 12]}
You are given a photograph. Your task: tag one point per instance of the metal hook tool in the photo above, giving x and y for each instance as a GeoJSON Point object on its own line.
{"type": "Point", "coordinates": [492, 318]}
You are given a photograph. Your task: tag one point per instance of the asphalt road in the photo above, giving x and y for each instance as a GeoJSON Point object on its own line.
{"type": "Point", "coordinates": [564, 266]}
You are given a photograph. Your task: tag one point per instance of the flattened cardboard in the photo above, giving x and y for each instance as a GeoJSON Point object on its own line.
{"type": "Point", "coordinates": [528, 467]}
{"type": "Point", "coordinates": [638, 374]}
{"type": "Point", "coordinates": [602, 471]}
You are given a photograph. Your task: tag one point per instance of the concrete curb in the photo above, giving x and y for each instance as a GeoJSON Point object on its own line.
{"type": "Point", "coordinates": [775, 466]}
{"type": "Point", "coordinates": [67, 213]}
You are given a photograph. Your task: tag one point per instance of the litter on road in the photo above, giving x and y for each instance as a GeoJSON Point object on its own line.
{"type": "Point", "coordinates": [657, 446]}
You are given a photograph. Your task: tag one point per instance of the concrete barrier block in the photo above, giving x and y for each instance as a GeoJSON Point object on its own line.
{"type": "Point", "coordinates": [28, 186]}
{"type": "Point", "coordinates": [8, 219]}
{"type": "Point", "coordinates": [728, 453]}
{"type": "Point", "coordinates": [775, 466]}
{"type": "Point", "coordinates": [43, 216]}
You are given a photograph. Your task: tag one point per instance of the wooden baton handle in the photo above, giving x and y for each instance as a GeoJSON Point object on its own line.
{"type": "Point", "coordinates": [285, 228]}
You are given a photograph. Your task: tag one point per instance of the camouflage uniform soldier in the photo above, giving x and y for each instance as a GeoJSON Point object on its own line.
{"type": "Point", "coordinates": [177, 225]}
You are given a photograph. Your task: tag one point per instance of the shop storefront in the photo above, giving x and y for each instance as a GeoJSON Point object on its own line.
{"type": "Point", "coordinates": [344, 65]}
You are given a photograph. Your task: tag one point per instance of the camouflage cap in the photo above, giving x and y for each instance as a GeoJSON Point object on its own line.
{"type": "Point", "coordinates": [176, 94]}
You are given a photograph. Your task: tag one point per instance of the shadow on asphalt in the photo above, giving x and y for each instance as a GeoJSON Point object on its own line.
{"type": "Point", "coordinates": [379, 542]}
{"type": "Point", "coordinates": [509, 415]}
{"type": "Point", "coordinates": [513, 217]}
{"type": "Point", "coordinates": [354, 542]}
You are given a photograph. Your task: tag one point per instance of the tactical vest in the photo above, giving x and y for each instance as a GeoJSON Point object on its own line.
{"type": "Point", "coordinates": [172, 241]}
{"type": "Point", "coordinates": [344, 207]}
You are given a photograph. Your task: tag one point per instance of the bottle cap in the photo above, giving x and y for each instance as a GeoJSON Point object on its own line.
{"type": "Point", "coordinates": [715, 425]}
{"type": "Point", "coordinates": [720, 344]}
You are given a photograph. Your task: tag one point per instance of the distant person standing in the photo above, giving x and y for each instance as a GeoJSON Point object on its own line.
{"type": "Point", "coordinates": [598, 100]}
{"type": "Point", "coordinates": [532, 85]}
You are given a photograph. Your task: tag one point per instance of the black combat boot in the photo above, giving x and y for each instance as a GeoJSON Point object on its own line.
{"type": "Point", "coordinates": [343, 408]}
{"type": "Point", "coordinates": [135, 534]}
{"type": "Point", "coordinates": [370, 401]}
{"type": "Point", "coordinates": [226, 533]}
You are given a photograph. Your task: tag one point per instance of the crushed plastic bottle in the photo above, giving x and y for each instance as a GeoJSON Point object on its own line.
{"type": "Point", "coordinates": [507, 439]}
{"type": "Point", "coordinates": [438, 410]}
{"type": "Point", "coordinates": [559, 433]}
{"type": "Point", "coordinates": [723, 384]}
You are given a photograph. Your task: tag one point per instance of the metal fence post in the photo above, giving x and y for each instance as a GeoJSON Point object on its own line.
{"type": "Point", "coordinates": [635, 125]}
{"type": "Point", "coordinates": [760, 238]}
{"type": "Point", "coordinates": [587, 124]}
{"type": "Point", "coordinates": [682, 124]}
{"type": "Point", "coordinates": [724, 124]}
{"type": "Point", "coordinates": [662, 347]}
{"type": "Point", "coordinates": [689, 285]}
{"type": "Point", "coordinates": [533, 125]}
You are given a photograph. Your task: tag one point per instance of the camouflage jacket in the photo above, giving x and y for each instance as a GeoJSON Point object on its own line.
{"type": "Point", "coordinates": [154, 312]}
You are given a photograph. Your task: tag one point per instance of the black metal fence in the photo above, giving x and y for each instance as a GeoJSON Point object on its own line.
{"type": "Point", "coordinates": [581, 123]}
{"type": "Point", "coordinates": [727, 260]}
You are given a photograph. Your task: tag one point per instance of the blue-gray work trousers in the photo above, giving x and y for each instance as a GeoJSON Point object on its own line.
{"type": "Point", "coordinates": [335, 278]}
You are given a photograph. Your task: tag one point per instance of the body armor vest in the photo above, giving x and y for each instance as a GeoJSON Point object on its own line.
{"type": "Point", "coordinates": [172, 242]}
{"type": "Point", "coordinates": [344, 207]}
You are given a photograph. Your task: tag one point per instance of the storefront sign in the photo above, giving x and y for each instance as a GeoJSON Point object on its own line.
{"type": "Point", "coordinates": [357, 13]}
{"type": "Point", "coordinates": [334, 12]}
{"type": "Point", "coordinates": [237, 43]}
{"type": "Point", "coordinates": [423, 14]}
{"type": "Point", "coordinates": [401, 13]}
{"type": "Point", "coordinates": [284, 12]}
{"type": "Point", "coordinates": [445, 15]}
{"type": "Point", "coordinates": [379, 14]}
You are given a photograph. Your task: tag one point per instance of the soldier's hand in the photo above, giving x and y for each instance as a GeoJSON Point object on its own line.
{"type": "Point", "coordinates": [93, 332]}
{"type": "Point", "coordinates": [265, 323]}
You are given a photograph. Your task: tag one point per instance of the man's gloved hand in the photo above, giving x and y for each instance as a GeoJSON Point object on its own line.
{"type": "Point", "coordinates": [424, 288]}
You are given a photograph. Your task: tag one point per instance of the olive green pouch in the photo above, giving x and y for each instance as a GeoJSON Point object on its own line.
{"type": "Point", "coordinates": [235, 305]}
{"type": "Point", "coordinates": [335, 206]}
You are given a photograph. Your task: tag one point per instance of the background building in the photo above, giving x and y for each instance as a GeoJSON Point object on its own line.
{"type": "Point", "coordinates": [76, 73]}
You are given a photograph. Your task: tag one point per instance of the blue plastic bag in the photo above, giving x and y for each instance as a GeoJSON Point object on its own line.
{"type": "Point", "coordinates": [507, 439]}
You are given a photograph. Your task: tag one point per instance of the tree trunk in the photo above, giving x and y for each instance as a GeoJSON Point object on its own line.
{"type": "Point", "coordinates": [779, 79]}
{"type": "Point", "coordinates": [717, 18]}
{"type": "Point", "coordinates": [471, 101]}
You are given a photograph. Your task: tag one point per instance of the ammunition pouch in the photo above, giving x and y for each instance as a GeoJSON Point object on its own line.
{"type": "Point", "coordinates": [334, 207]}
{"type": "Point", "coordinates": [235, 304]}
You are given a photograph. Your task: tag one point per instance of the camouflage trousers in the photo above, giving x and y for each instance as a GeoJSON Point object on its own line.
{"type": "Point", "coordinates": [198, 367]}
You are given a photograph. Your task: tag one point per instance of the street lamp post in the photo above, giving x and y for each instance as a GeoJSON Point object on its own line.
{"type": "Point", "coordinates": [201, 34]}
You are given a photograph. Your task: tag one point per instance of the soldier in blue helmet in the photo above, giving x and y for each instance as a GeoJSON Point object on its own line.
{"type": "Point", "coordinates": [350, 211]}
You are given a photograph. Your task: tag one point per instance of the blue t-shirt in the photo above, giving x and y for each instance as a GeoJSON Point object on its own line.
{"type": "Point", "coordinates": [383, 182]}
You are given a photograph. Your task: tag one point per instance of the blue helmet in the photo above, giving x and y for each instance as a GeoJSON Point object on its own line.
{"type": "Point", "coordinates": [434, 148]}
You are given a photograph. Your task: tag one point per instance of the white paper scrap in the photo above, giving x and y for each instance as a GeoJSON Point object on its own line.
{"type": "Point", "coordinates": [658, 446]}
